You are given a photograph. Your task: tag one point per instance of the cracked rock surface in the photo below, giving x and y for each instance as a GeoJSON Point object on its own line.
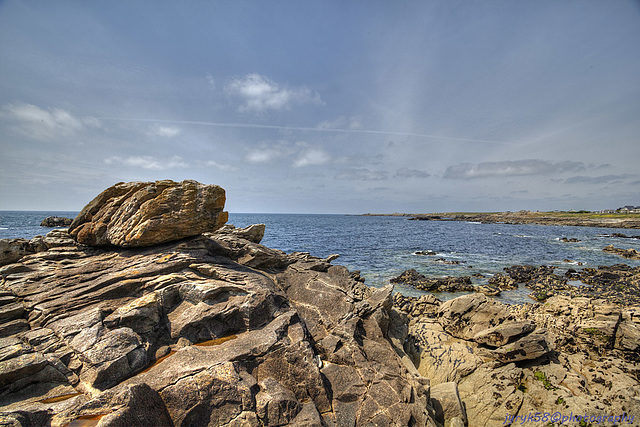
{"type": "Point", "coordinates": [212, 330]}
{"type": "Point", "coordinates": [569, 355]}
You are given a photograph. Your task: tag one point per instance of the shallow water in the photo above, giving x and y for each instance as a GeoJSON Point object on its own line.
{"type": "Point", "coordinates": [384, 247]}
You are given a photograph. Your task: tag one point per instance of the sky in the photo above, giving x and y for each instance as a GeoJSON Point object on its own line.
{"type": "Point", "coordinates": [324, 106]}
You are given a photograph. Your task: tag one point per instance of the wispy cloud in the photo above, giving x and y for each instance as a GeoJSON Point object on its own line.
{"type": "Point", "coordinates": [362, 174]}
{"type": "Point", "coordinates": [594, 180]}
{"type": "Point", "coordinates": [221, 166]}
{"type": "Point", "coordinates": [259, 94]}
{"type": "Point", "coordinates": [165, 131]}
{"type": "Point", "coordinates": [311, 157]}
{"type": "Point", "coordinates": [148, 162]}
{"type": "Point", "coordinates": [45, 124]}
{"type": "Point", "coordinates": [510, 168]}
{"type": "Point", "coordinates": [268, 152]}
{"type": "Point", "coordinates": [411, 173]}
{"type": "Point", "coordinates": [305, 154]}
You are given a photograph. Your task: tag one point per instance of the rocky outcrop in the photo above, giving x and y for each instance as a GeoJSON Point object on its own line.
{"type": "Point", "coordinates": [139, 214]}
{"type": "Point", "coordinates": [625, 253]}
{"type": "Point", "coordinates": [210, 330]}
{"type": "Point", "coordinates": [56, 221]}
{"type": "Point", "coordinates": [567, 355]}
{"type": "Point", "coordinates": [440, 284]}
{"type": "Point", "coordinates": [11, 250]}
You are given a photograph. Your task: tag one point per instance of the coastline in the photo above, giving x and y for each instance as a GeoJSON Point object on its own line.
{"type": "Point", "coordinates": [576, 219]}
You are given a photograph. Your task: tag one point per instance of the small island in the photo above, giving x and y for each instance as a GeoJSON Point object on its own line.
{"type": "Point", "coordinates": [629, 218]}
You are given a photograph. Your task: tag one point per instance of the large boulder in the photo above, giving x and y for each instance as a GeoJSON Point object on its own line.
{"type": "Point", "coordinates": [137, 214]}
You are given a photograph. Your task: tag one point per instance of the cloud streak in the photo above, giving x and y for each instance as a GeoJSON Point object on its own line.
{"type": "Point", "coordinates": [303, 128]}
{"type": "Point", "coordinates": [595, 180]}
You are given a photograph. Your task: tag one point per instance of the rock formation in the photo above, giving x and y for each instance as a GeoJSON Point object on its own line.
{"type": "Point", "coordinates": [56, 221]}
{"type": "Point", "coordinates": [214, 329]}
{"type": "Point", "coordinates": [569, 355]}
{"type": "Point", "coordinates": [625, 253]}
{"type": "Point", "coordinates": [148, 213]}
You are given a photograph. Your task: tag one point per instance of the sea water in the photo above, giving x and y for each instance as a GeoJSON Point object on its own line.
{"type": "Point", "coordinates": [383, 247]}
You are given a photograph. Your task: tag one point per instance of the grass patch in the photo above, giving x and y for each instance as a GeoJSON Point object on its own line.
{"type": "Point", "coordinates": [540, 376]}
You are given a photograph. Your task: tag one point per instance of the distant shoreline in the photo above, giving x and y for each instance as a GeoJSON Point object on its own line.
{"type": "Point", "coordinates": [580, 219]}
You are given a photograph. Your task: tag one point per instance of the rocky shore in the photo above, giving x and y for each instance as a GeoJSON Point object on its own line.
{"type": "Point", "coordinates": [630, 221]}
{"type": "Point", "coordinates": [212, 329]}
{"type": "Point", "coordinates": [149, 311]}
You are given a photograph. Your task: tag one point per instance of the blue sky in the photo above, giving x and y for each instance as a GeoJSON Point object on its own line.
{"type": "Point", "coordinates": [324, 106]}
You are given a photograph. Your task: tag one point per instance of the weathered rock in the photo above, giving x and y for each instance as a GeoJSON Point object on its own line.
{"type": "Point", "coordinates": [441, 284]}
{"type": "Point", "coordinates": [11, 250]}
{"type": "Point", "coordinates": [503, 282]}
{"type": "Point", "coordinates": [219, 329]}
{"type": "Point", "coordinates": [146, 213]}
{"type": "Point", "coordinates": [489, 394]}
{"type": "Point", "coordinates": [56, 221]}
{"type": "Point", "coordinates": [465, 316]}
{"type": "Point", "coordinates": [490, 291]}
{"type": "Point", "coordinates": [626, 253]}
{"type": "Point", "coordinates": [439, 356]}
{"type": "Point", "coordinates": [529, 347]}
{"type": "Point", "coordinates": [253, 233]}
{"type": "Point", "coordinates": [424, 306]}
{"type": "Point", "coordinates": [447, 404]}
{"type": "Point", "coordinates": [503, 333]}
{"type": "Point", "coordinates": [275, 404]}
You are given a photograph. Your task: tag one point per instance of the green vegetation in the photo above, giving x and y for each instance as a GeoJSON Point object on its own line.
{"type": "Point", "coordinates": [559, 401]}
{"type": "Point", "coordinates": [522, 387]}
{"type": "Point", "coordinates": [540, 376]}
{"type": "Point", "coordinates": [596, 333]}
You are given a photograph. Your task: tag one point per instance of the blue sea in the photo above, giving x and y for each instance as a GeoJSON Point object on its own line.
{"type": "Point", "coordinates": [384, 247]}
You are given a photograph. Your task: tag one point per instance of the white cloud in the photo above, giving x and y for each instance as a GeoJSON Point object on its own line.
{"type": "Point", "coordinates": [266, 153]}
{"type": "Point", "coordinates": [42, 124]}
{"type": "Point", "coordinates": [148, 162]}
{"type": "Point", "coordinates": [510, 168]}
{"type": "Point", "coordinates": [311, 157]}
{"type": "Point", "coordinates": [165, 131]}
{"type": "Point", "coordinates": [220, 166]}
{"type": "Point", "coordinates": [260, 94]}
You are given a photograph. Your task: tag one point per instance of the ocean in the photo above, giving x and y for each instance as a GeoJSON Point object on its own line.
{"type": "Point", "coordinates": [383, 247]}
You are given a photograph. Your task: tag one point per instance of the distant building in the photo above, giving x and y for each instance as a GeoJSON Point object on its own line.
{"type": "Point", "coordinates": [629, 209]}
